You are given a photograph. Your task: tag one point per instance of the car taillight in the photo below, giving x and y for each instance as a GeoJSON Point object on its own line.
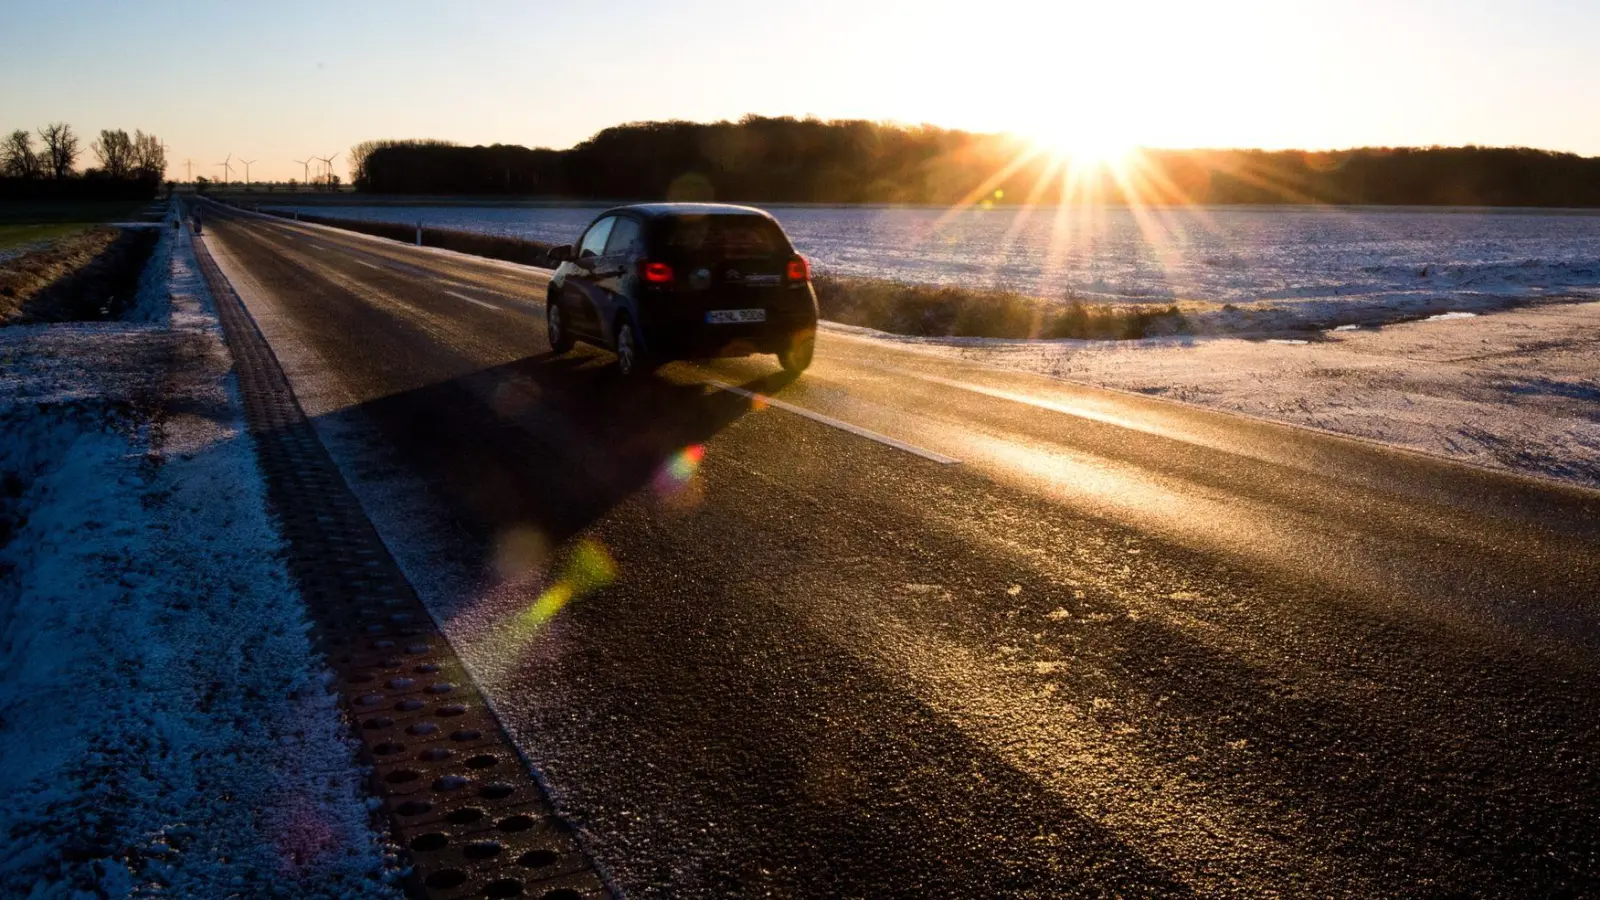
{"type": "Point", "coordinates": [799, 269]}
{"type": "Point", "coordinates": [655, 272]}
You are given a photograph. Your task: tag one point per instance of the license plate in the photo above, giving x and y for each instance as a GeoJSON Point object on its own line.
{"type": "Point", "coordinates": [734, 316]}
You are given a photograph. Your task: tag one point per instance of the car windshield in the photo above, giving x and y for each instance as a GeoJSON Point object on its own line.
{"type": "Point", "coordinates": [724, 237]}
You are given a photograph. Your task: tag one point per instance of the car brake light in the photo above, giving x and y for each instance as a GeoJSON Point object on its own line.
{"type": "Point", "coordinates": [799, 269]}
{"type": "Point", "coordinates": [655, 272]}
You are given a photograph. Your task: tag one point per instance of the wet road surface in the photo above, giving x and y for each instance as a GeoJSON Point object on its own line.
{"type": "Point", "coordinates": [1116, 647]}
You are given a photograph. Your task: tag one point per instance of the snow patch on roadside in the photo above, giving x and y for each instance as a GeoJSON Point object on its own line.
{"type": "Point", "coordinates": [165, 730]}
{"type": "Point", "coordinates": [152, 303]}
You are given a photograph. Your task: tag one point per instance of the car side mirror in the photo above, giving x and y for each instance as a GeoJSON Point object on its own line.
{"type": "Point", "coordinates": [560, 253]}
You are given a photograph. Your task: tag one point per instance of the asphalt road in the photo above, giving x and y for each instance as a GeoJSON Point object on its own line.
{"type": "Point", "coordinates": [1121, 647]}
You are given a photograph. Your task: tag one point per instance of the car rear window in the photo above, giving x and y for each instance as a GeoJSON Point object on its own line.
{"type": "Point", "coordinates": [724, 237]}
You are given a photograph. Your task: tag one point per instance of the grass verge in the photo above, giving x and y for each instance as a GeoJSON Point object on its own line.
{"type": "Point", "coordinates": [24, 235]}
{"type": "Point", "coordinates": [953, 311]}
{"type": "Point", "coordinates": [88, 275]}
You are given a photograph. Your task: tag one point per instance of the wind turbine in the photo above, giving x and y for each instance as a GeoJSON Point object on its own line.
{"type": "Point", "coordinates": [328, 160]}
{"type": "Point", "coordinates": [247, 163]}
{"type": "Point", "coordinates": [188, 168]}
{"type": "Point", "coordinates": [305, 169]}
{"type": "Point", "coordinates": [227, 169]}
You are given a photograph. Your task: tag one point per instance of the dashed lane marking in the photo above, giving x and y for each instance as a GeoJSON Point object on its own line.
{"type": "Point", "coordinates": [461, 296]}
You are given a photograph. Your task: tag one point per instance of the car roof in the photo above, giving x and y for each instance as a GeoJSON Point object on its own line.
{"type": "Point", "coordinates": [662, 210]}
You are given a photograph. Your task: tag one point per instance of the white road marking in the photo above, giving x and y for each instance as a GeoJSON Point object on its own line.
{"type": "Point", "coordinates": [367, 264]}
{"type": "Point", "coordinates": [472, 300]}
{"type": "Point", "coordinates": [857, 430]}
{"type": "Point", "coordinates": [1038, 403]}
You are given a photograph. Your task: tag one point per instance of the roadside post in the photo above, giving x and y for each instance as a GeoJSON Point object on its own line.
{"type": "Point", "coordinates": [419, 234]}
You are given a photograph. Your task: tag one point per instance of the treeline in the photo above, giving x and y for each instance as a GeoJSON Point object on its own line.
{"type": "Point", "coordinates": [779, 160]}
{"type": "Point", "coordinates": [1390, 176]}
{"type": "Point", "coordinates": [130, 167]}
{"type": "Point", "coordinates": [448, 168]}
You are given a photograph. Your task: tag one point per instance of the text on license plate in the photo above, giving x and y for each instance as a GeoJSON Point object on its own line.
{"type": "Point", "coordinates": [731, 316]}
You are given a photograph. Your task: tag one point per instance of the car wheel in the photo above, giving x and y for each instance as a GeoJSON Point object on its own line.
{"type": "Point", "coordinates": [555, 326]}
{"type": "Point", "coordinates": [631, 361]}
{"type": "Point", "coordinates": [796, 357]}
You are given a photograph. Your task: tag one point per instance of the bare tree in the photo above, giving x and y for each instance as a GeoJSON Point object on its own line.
{"type": "Point", "coordinates": [60, 149]}
{"type": "Point", "coordinates": [358, 158]}
{"type": "Point", "coordinates": [17, 158]}
{"type": "Point", "coordinates": [115, 150]}
{"type": "Point", "coordinates": [149, 156]}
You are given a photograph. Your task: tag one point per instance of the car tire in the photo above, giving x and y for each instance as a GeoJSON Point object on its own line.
{"type": "Point", "coordinates": [556, 327]}
{"type": "Point", "coordinates": [796, 357]}
{"type": "Point", "coordinates": [631, 361]}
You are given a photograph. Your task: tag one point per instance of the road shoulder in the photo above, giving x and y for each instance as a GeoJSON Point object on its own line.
{"type": "Point", "coordinates": [166, 725]}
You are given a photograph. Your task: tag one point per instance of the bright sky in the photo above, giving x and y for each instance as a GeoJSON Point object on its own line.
{"type": "Point", "coordinates": [278, 80]}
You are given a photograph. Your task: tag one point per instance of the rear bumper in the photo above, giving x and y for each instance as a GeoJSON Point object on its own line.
{"type": "Point", "coordinates": [678, 330]}
{"type": "Point", "coordinates": [705, 341]}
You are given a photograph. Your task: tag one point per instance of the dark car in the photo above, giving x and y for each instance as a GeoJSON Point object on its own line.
{"type": "Point", "coordinates": [661, 281]}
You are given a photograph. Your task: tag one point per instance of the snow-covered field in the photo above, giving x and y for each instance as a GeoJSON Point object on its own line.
{"type": "Point", "coordinates": [1314, 259]}
{"type": "Point", "coordinates": [1516, 390]}
{"type": "Point", "coordinates": [165, 730]}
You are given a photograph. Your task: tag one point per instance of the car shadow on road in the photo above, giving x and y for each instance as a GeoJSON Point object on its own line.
{"type": "Point", "coordinates": [551, 441]}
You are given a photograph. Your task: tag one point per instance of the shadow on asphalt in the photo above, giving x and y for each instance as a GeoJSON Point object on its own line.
{"type": "Point", "coordinates": [552, 441]}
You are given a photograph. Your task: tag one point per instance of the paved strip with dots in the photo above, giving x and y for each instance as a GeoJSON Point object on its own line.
{"type": "Point", "coordinates": [470, 814]}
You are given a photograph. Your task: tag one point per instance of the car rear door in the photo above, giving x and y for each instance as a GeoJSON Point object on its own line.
{"type": "Point", "coordinates": [615, 264]}
{"type": "Point", "coordinates": [580, 290]}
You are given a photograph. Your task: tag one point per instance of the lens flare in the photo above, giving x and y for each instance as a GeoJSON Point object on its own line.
{"type": "Point", "coordinates": [679, 469]}
{"type": "Point", "coordinates": [589, 569]}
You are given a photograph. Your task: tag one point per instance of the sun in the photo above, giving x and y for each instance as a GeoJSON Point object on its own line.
{"type": "Point", "coordinates": [1082, 145]}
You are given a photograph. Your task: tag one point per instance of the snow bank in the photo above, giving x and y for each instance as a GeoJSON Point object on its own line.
{"type": "Point", "coordinates": [164, 728]}
{"type": "Point", "coordinates": [152, 302]}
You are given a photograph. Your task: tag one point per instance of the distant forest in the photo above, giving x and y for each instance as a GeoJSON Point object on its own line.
{"type": "Point", "coordinates": [786, 160]}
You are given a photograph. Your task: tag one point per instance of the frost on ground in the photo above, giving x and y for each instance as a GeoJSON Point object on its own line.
{"type": "Point", "coordinates": [1517, 390]}
{"type": "Point", "coordinates": [164, 728]}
